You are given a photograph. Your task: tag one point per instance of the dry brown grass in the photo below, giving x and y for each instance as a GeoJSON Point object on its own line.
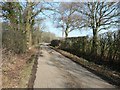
{"type": "Point", "coordinates": [14, 67]}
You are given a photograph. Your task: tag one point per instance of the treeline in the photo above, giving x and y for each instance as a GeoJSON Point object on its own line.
{"type": "Point", "coordinates": [16, 40]}
{"type": "Point", "coordinates": [108, 51]}
{"type": "Point", "coordinates": [21, 28]}
{"type": "Point", "coordinates": [95, 17]}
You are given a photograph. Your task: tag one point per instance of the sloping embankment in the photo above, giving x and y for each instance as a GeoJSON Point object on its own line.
{"type": "Point", "coordinates": [17, 69]}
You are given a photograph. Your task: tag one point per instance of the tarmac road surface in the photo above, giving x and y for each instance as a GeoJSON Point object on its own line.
{"type": "Point", "coordinates": [56, 71]}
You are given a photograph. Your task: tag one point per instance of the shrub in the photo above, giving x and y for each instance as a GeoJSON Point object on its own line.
{"type": "Point", "coordinates": [14, 40]}
{"type": "Point", "coordinates": [55, 43]}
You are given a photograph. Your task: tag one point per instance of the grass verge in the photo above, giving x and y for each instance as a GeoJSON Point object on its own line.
{"type": "Point", "coordinates": [17, 70]}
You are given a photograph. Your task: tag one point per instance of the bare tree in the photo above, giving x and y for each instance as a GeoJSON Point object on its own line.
{"type": "Point", "coordinates": [68, 18]}
{"type": "Point", "coordinates": [98, 16]}
{"type": "Point", "coordinates": [22, 16]}
{"type": "Point", "coordinates": [31, 10]}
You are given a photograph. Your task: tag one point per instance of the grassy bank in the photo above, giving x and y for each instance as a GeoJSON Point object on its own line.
{"type": "Point", "coordinates": [17, 69]}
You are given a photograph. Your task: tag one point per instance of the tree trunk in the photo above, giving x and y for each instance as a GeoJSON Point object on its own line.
{"type": "Point", "coordinates": [66, 33]}
{"type": "Point", "coordinates": [62, 33]}
{"type": "Point", "coordinates": [28, 27]}
{"type": "Point", "coordinates": [95, 42]}
{"type": "Point", "coordinates": [84, 44]}
{"type": "Point", "coordinates": [28, 37]}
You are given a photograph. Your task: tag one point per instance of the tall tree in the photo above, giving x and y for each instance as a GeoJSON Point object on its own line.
{"type": "Point", "coordinates": [21, 16]}
{"type": "Point", "coordinates": [68, 18]}
{"type": "Point", "coordinates": [31, 11]}
{"type": "Point", "coordinates": [12, 13]}
{"type": "Point", "coordinates": [98, 16]}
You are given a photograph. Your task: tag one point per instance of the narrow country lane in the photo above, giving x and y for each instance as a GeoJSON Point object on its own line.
{"type": "Point", "coordinates": [56, 71]}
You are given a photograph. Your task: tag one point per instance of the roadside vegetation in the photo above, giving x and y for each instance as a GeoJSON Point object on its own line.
{"type": "Point", "coordinates": [22, 34]}
{"type": "Point", "coordinates": [108, 49]}
{"type": "Point", "coordinates": [100, 49]}
{"type": "Point", "coordinates": [23, 30]}
{"type": "Point", "coordinates": [16, 68]}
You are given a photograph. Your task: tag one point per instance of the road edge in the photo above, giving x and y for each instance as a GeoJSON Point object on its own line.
{"type": "Point", "coordinates": [102, 74]}
{"type": "Point", "coordinates": [33, 71]}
